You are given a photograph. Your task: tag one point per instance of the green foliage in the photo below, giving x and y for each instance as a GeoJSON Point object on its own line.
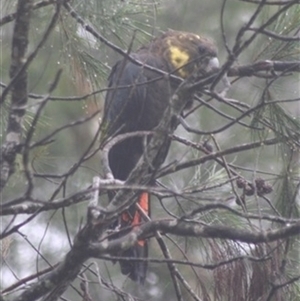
{"type": "Point", "coordinates": [275, 119]}
{"type": "Point", "coordinates": [287, 24]}
{"type": "Point", "coordinates": [280, 124]}
{"type": "Point", "coordinates": [116, 21]}
{"type": "Point", "coordinates": [286, 196]}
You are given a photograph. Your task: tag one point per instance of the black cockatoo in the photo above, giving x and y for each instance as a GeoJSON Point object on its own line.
{"type": "Point", "coordinates": [135, 101]}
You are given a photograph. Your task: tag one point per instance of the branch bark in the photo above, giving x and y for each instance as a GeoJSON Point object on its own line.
{"type": "Point", "coordinates": [18, 91]}
{"type": "Point", "coordinates": [85, 247]}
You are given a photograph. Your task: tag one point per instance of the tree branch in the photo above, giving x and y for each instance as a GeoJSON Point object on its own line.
{"type": "Point", "coordinates": [19, 91]}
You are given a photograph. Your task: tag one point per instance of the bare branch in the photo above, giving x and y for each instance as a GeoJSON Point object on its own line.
{"type": "Point", "coordinates": [18, 84]}
{"type": "Point", "coordinates": [19, 91]}
{"type": "Point", "coordinates": [11, 17]}
{"type": "Point", "coordinates": [269, 66]}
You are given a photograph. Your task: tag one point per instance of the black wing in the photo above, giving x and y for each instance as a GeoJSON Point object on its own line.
{"type": "Point", "coordinates": [135, 102]}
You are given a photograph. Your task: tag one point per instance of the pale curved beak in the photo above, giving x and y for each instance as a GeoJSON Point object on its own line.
{"type": "Point", "coordinates": [213, 64]}
{"type": "Point", "coordinates": [224, 84]}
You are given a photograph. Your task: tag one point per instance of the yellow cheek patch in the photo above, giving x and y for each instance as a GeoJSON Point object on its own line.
{"type": "Point", "coordinates": [178, 58]}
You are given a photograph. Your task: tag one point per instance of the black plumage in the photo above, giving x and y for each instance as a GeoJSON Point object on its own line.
{"type": "Point", "coordinates": [136, 101]}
